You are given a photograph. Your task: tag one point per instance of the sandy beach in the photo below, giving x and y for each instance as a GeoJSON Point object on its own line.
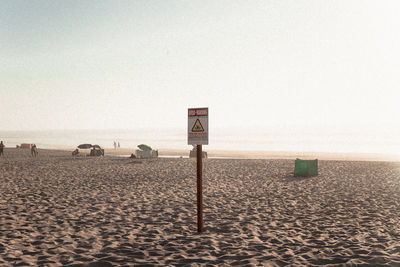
{"type": "Point", "coordinates": [56, 210]}
{"type": "Point", "coordinates": [243, 154]}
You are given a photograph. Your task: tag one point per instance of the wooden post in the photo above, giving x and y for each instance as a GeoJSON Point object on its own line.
{"type": "Point", "coordinates": [199, 189]}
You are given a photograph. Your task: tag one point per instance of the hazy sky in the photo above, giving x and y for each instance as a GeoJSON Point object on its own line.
{"type": "Point", "coordinates": [255, 64]}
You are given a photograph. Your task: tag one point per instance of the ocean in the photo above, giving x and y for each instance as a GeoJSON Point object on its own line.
{"type": "Point", "coordinates": [380, 142]}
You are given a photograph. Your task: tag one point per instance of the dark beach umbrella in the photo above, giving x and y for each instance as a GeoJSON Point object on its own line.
{"type": "Point", "coordinates": [84, 146]}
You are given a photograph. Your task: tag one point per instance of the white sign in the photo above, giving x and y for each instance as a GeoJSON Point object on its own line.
{"type": "Point", "coordinates": [198, 126]}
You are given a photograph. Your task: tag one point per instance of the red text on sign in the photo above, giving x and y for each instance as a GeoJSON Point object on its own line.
{"type": "Point", "coordinates": [198, 112]}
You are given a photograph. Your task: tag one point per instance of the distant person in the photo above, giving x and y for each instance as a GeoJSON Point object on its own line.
{"type": "Point", "coordinates": [1, 148]}
{"type": "Point", "coordinates": [34, 151]}
{"type": "Point", "coordinates": [115, 145]}
{"type": "Point", "coordinates": [75, 152]}
{"type": "Point", "coordinates": [118, 145]}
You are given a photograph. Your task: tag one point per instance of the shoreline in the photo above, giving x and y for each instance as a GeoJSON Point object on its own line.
{"type": "Point", "coordinates": [242, 154]}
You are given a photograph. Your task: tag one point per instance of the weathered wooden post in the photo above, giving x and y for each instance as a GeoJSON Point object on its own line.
{"type": "Point", "coordinates": [199, 189]}
{"type": "Point", "coordinates": [198, 135]}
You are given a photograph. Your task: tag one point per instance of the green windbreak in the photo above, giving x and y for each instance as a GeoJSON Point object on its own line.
{"type": "Point", "coordinates": [306, 167]}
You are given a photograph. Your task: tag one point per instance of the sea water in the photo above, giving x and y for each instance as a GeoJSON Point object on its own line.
{"type": "Point", "coordinates": [381, 142]}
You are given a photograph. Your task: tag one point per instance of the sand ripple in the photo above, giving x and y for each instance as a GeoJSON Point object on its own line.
{"type": "Point", "coordinates": [56, 210]}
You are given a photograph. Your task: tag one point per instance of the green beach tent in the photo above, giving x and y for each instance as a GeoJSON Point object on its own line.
{"type": "Point", "coordinates": [306, 168]}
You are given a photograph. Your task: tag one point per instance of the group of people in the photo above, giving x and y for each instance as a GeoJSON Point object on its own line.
{"type": "Point", "coordinates": [34, 150]}
{"type": "Point", "coordinates": [116, 145]}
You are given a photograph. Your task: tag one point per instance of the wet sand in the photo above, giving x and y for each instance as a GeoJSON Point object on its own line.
{"type": "Point", "coordinates": [57, 210]}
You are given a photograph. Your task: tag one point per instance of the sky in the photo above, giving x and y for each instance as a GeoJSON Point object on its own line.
{"type": "Point", "coordinates": [255, 64]}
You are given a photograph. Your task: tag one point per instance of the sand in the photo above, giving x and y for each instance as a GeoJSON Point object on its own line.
{"type": "Point", "coordinates": [265, 154]}
{"type": "Point", "coordinates": [57, 210]}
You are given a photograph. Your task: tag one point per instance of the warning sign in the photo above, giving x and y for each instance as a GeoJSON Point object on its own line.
{"type": "Point", "coordinates": [198, 126]}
